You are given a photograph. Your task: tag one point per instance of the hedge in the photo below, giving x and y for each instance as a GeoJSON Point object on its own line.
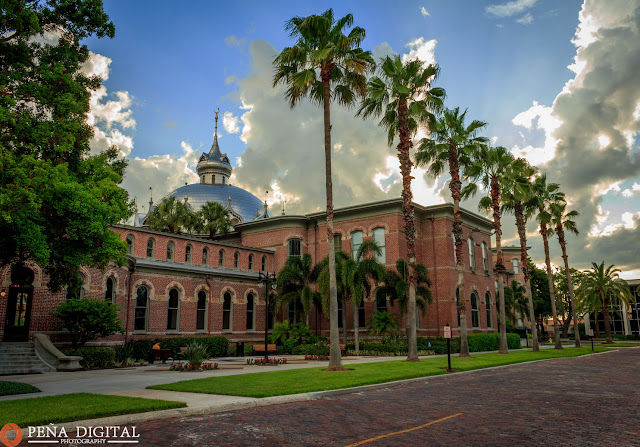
{"type": "Point", "coordinates": [311, 349]}
{"type": "Point", "coordinates": [94, 357]}
{"type": "Point", "coordinates": [477, 343]}
{"type": "Point", "coordinates": [216, 346]}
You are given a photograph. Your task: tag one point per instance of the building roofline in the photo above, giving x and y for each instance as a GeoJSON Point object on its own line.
{"type": "Point", "coordinates": [191, 269]}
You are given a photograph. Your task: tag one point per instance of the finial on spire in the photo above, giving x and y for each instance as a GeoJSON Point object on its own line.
{"type": "Point", "coordinates": [283, 204]}
{"type": "Point", "coordinates": [266, 194]}
{"type": "Point", "coordinates": [150, 197]}
{"type": "Point", "coordinates": [216, 112]}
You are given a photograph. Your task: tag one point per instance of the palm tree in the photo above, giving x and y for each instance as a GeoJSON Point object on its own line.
{"type": "Point", "coordinates": [489, 167]}
{"type": "Point", "coordinates": [171, 215]}
{"type": "Point", "coordinates": [213, 218]}
{"type": "Point", "coordinates": [452, 143]}
{"type": "Point", "coordinates": [323, 283]}
{"type": "Point", "coordinates": [383, 323]}
{"type": "Point", "coordinates": [515, 301]}
{"type": "Point", "coordinates": [403, 95]}
{"type": "Point", "coordinates": [518, 201]}
{"type": "Point", "coordinates": [357, 275]}
{"type": "Point", "coordinates": [295, 280]}
{"type": "Point", "coordinates": [564, 220]}
{"type": "Point", "coordinates": [322, 48]}
{"type": "Point", "coordinates": [605, 286]}
{"type": "Point", "coordinates": [396, 286]}
{"type": "Point", "coordinates": [544, 195]}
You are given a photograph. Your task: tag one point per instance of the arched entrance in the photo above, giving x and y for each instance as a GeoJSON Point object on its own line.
{"type": "Point", "coordinates": [16, 326]}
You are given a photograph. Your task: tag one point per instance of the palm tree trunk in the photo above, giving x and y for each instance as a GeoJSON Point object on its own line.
{"type": "Point", "coordinates": [335, 359]}
{"type": "Point", "coordinates": [595, 323]}
{"type": "Point", "coordinates": [499, 267]}
{"type": "Point", "coordinates": [552, 293]}
{"type": "Point", "coordinates": [455, 186]}
{"type": "Point", "coordinates": [524, 260]}
{"type": "Point", "coordinates": [607, 323]}
{"type": "Point", "coordinates": [356, 327]}
{"type": "Point", "coordinates": [567, 272]}
{"type": "Point", "coordinates": [409, 225]}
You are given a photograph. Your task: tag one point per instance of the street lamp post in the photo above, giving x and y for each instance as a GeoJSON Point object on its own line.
{"type": "Point", "coordinates": [266, 278]}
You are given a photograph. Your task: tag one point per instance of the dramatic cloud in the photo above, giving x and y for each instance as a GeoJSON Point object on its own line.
{"type": "Point", "coordinates": [510, 8]}
{"type": "Point", "coordinates": [230, 123]}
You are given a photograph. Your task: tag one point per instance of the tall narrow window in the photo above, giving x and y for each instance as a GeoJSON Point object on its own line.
{"type": "Point", "coordinates": [516, 266]}
{"type": "Point", "coordinates": [205, 256]}
{"type": "Point", "coordinates": [337, 241]}
{"type": "Point", "coordinates": [187, 254]}
{"type": "Point", "coordinates": [292, 313]}
{"type": "Point", "coordinates": [110, 293]}
{"type": "Point", "coordinates": [271, 318]}
{"type": "Point", "coordinates": [170, 250]}
{"type": "Point", "coordinates": [264, 263]}
{"type": "Point", "coordinates": [455, 256]}
{"type": "Point", "coordinates": [236, 260]}
{"type": "Point", "coordinates": [475, 311]}
{"type": "Point", "coordinates": [172, 314]}
{"type": "Point", "coordinates": [485, 259]}
{"type": "Point", "coordinates": [340, 314]}
{"type": "Point", "coordinates": [295, 247]}
{"type": "Point", "coordinates": [356, 242]}
{"type": "Point", "coordinates": [381, 300]}
{"type": "Point", "coordinates": [142, 309]}
{"type": "Point", "coordinates": [226, 312]}
{"type": "Point", "coordinates": [201, 312]}
{"type": "Point", "coordinates": [250, 312]}
{"type": "Point", "coordinates": [487, 298]}
{"type": "Point", "coordinates": [472, 255]}
{"type": "Point", "coordinates": [221, 259]}
{"type": "Point", "coordinates": [361, 315]}
{"type": "Point", "coordinates": [130, 244]}
{"type": "Point", "coordinates": [378, 237]}
{"type": "Point", "coordinates": [151, 246]}
{"type": "Point", "coordinates": [251, 262]}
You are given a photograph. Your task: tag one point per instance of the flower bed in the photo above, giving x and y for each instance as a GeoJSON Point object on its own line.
{"type": "Point", "coordinates": [273, 361]}
{"type": "Point", "coordinates": [192, 367]}
{"type": "Point", "coordinates": [316, 357]}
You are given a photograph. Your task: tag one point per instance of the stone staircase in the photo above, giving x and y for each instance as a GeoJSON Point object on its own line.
{"type": "Point", "coordinates": [20, 358]}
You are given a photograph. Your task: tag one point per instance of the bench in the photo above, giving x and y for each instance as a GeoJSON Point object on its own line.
{"type": "Point", "coordinates": [343, 348]}
{"type": "Point", "coordinates": [162, 354]}
{"type": "Point", "coordinates": [260, 348]}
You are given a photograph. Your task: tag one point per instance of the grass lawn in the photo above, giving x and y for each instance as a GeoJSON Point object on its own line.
{"type": "Point", "coordinates": [296, 381]}
{"type": "Point", "coordinates": [7, 388]}
{"type": "Point", "coordinates": [74, 407]}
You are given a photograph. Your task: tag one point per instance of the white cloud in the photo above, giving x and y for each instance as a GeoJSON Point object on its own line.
{"type": "Point", "coordinates": [421, 49]}
{"type": "Point", "coordinates": [424, 12]}
{"type": "Point", "coordinates": [110, 112]}
{"type": "Point", "coordinates": [510, 8]}
{"type": "Point", "coordinates": [230, 123]}
{"type": "Point", "coordinates": [96, 65]}
{"type": "Point", "coordinates": [546, 122]}
{"type": "Point", "coordinates": [525, 19]}
{"type": "Point", "coordinates": [605, 188]}
{"type": "Point", "coordinates": [633, 191]}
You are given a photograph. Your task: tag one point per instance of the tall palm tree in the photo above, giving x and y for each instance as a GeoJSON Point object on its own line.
{"type": "Point", "coordinates": [518, 201]}
{"type": "Point", "coordinates": [404, 96]}
{"type": "Point", "coordinates": [213, 218]}
{"type": "Point", "coordinates": [563, 220]}
{"type": "Point", "coordinates": [544, 195]}
{"type": "Point", "coordinates": [171, 215]}
{"type": "Point", "coordinates": [324, 64]}
{"type": "Point", "coordinates": [295, 281]}
{"type": "Point", "coordinates": [489, 167]}
{"type": "Point", "coordinates": [605, 286]}
{"type": "Point", "coordinates": [397, 285]}
{"type": "Point", "coordinates": [452, 143]}
{"type": "Point", "coordinates": [357, 276]}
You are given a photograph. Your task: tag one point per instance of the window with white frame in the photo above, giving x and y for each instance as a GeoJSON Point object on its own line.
{"type": "Point", "coordinates": [221, 259]}
{"type": "Point", "coordinates": [264, 263]}
{"type": "Point", "coordinates": [236, 260]}
{"type": "Point", "coordinates": [151, 247]}
{"type": "Point", "coordinates": [472, 254]}
{"type": "Point", "coordinates": [337, 241]}
{"type": "Point", "coordinates": [205, 256]}
{"type": "Point", "coordinates": [516, 266]}
{"type": "Point", "coordinates": [356, 243]}
{"type": "Point", "coordinates": [187, 254]}
{"type": "Point", "coordinates": [379, 238]}
{"type": "Point", "coordinates": [110, 293]}
{"type": "Point", "coordinates": [294, 247]}
{"type": "Point", "coordinates": [250, 312]}
{"type": "Point", "coordinates": [142, 309]}
{"type": "Point", "coordinates": [173, 310]}
{"type": "Point", "coordinates": [487, 298]}
{"type": "Point", "coordinates": [485, 259]}
{"type": "Point", "coordinates": [170, 250]}
{"type": "Point", "coordinates": [201, 311]}
{"type": "Point", "coordinates": [475, 310]}
{"type": "Point", "coordinates": [130, 244]}
{"type": "Point", "coordinates": [251, 262]}
{"type": "Point", "coordinates": [226, 312]}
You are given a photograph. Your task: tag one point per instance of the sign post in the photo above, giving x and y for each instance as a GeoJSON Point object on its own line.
{"type": "Point", "coordinates": [447, 335]}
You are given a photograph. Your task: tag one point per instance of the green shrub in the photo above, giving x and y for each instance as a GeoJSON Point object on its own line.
{"type": "Point", "coordinates": [88, 319]}
{"type": "Point", "coordinates": [124, 352]}
{"type": "Point", "coordinates": [215, 346]}
{"type": "Point", "coordinates": [195, 353]}
{"type": "Point", "coordinates": [9, 388]}
{"type": "Point", "coordinates": [377, 348]}
{"type": "Point", "coordinates": [311, 349]}
{"type": "Point", "coordinates": [94, 357]}
{"type": "Point", "coordinates": [288, 346]}
{"type": "Point", "coordinates": [231, 350]}
{"type": "Point", "coordinates": [477, 343]}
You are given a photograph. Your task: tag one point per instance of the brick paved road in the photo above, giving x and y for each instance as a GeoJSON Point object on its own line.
{"type": "Point", "coordinates": [585, 401]}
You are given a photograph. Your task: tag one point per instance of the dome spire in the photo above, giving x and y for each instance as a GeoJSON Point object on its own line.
{"type": "Point", "coordinates": [215, 149]}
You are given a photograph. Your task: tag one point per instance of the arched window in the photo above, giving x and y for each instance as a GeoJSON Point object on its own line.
{"type": "Point", "coordinates": [130, 244]}
{"type": "Point", "coordinates": [187, 254]}
{"type": "Point", "coordinates": [472, 255]}
{"type": "Point", "coordinates": [205, 256]}
{"type": "Point", "coordinates": [295, 247]}
{"type": "Point", "coordinates": [475, 310]}
{"type": "Point", "coordinates": [226, 312]}
{"type": "Point", "coordinates": [110, 293]}
{"type": "Point", "coordinates": [361, 315]}
{"type": "Point", "coordinates": [170, 250]}
{"type": "Point", "coordinates": [201, 312]}
{"type": "Point", "coordinates": [236, 260]}
{"type": "Point", "coordinates": [251, 262]}
{"type": "Point", "coordinates": [77, 292]}
{"type": "Point", "coordinates": [221, 259]}
{"type": "Point", "coordinates": [250, 312]}
{"type": "Point", "coordinates": [487, 298]}
{"type": "Point", "coordinates": [356, 242]}
{"type": "Point", "coordinates": [516, 266]}
{"type": "Point", "coordinates": [381, 300]}
{"type": "Point", "coordinates": [151, 247]}
{"type": "Point", "coordinates": [378, 237]}
{"type": "Point", "coordinates": [485, 259]}
{"type": "Point", "coordinates": [174, 309]}
{"type": "Point", "coordinates": [142, 309]}
{"type": "Point", "coordinates": [264, 263]}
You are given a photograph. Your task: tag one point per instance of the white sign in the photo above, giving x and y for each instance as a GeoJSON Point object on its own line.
{"type": "Point", "coordinates": [590, 332]}
{"type": "Point", "coordinates": [447, 332]}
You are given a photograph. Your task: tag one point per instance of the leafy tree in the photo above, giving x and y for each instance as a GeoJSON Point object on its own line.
{"type": "Point", "coordinates": [604, 286]}
{"type": "Point", "coordinates": [213, 218]}
{"type": "Point", "coordinates": [325, 64]}
{"type": "Point", "coordinates": [383, 323]}
{"type": "Point", "coordinates": [540, 291]}
{"type": "Point", "coordinates": [57, 200]}
{"type": "Point", "coordinates": [171, 215]}
{"type": "Point", "coordinates": [88, 319]}
{"type": "Point", "coordinates": [515, 301]}
{"type": "Point", "coordinates": [489, 167]}
{"type": "Point", "coordinates": [295, 281]}
{"type": "Point", "coordinates": [404, 97]}
{"type": "Point", "coordinates": [452, 144]}
{"type": "Point", "coordinates": [281, 332]}
{"type": "Point", "coordinates": [300, 331]}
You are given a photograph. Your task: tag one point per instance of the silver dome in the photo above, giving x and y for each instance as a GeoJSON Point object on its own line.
{"type": "Point", "coordinates": [243, 203]}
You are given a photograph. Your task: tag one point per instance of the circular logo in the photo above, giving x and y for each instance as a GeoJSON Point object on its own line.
{"type": "Point", "coordinates": [10, 442]}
